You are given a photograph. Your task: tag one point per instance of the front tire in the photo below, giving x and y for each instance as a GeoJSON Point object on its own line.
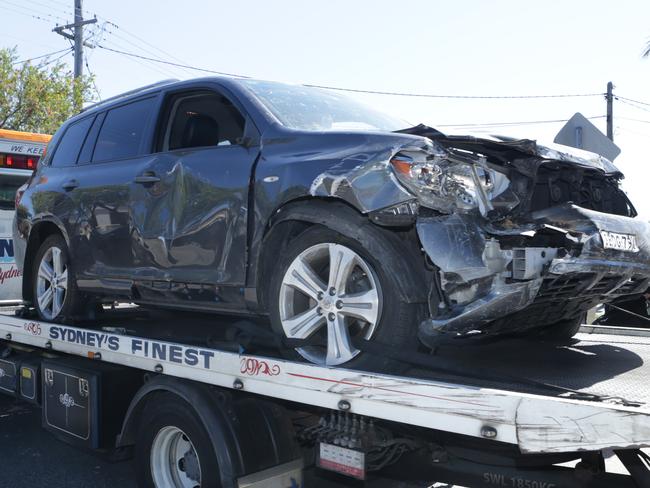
{"type": "Point", "coordinates": [329, 289]}
{"type": "Point", "coordinates": [54, 289]}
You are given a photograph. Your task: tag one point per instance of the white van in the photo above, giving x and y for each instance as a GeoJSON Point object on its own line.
{"type": "Point", "coordinates": [19, 155]}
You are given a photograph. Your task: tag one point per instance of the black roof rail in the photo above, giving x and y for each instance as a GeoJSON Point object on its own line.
{"type": "Point", "coordinates": [131, 92]}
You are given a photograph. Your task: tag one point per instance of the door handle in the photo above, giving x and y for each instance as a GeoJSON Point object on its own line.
{"type": "Point", "coordinates": [147, 178]}
{"type": "Point", "coordinates": [70, 185]}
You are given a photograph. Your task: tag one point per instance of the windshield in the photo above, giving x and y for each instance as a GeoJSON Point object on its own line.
{"type": "Point", "coordinates": [306, 108]}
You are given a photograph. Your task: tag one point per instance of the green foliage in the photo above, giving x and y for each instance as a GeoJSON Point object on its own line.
{"type": "Point", "coordinates": [38, 97]}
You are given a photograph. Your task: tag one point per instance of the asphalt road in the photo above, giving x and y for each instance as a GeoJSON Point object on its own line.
{"type": "Point", "coordinates": [31, 457]}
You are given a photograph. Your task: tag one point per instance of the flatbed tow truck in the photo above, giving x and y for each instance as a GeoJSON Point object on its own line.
{"type": "Point", "coordinates": [228, 411]}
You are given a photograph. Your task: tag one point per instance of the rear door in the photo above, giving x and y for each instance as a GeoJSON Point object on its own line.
{"type": "Point", "coordinates": [114, 153]}
{"type": "Point", "coordinates": [190, 206]}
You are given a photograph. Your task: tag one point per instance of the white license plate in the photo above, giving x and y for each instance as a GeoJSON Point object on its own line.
{"type": "Point", "coordinates": [620, 242]}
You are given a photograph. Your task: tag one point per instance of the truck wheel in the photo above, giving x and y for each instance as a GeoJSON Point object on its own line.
{"type": "Point", "coordinates": [329, 289]}
{"type": "Point", "coordinates": [54, 288]}
{"type": "Point", "coordinates": [173, 449]}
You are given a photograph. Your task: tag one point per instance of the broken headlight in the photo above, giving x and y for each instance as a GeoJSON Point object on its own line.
{"type": "Point", "coordinates": [446, 181]}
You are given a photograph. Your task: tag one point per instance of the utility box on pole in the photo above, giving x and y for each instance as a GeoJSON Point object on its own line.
{"type": "Point", "coordinates": [579, 132]}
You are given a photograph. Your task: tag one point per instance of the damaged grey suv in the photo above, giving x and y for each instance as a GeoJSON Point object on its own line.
{"type": "Point", "coordinates": [334, 220]}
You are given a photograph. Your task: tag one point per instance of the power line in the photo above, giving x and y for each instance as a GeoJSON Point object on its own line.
{"type": "Point", "coordinates": [37, 17]}
{"type": "Point", "coordinates": [475, 97]}
{"type": "Point", "coordinates": [618, 97]}
{"type": "Point", "coordinates": [634, 120]}
{"type": "Point", "coordinates": [624, 101]}
{"type": "Point", "coordinates": [67, 49]}
{"type": "Point", "coordinates": [146, 51]}
{"type": "Point", "coordinates": [50, 61]}
{"type": "Point", "coordinates": [34, 13]}
{"type": "Point", "coordinates": [206, 70]}
{"type": "Point", "coordinates": [65, 11]}
{"type": "Point", "coordinates": [528, 122]}
{"type": "Point", "coordinates": [162, 61]}
{"type": "Point", "coordinates": [92, 78]}
{"type": "Point", "coordinates": [143, 41]}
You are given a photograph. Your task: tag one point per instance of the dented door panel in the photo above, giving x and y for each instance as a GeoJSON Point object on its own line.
{"type": "Point", "coordinates": [190, 226]}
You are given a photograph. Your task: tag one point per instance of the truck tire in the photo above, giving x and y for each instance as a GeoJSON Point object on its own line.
{"type": "Point", "coordinates": [360, 301]}
{"type": "Point", "coordinates": [173, 448]}
{"type": "Point", "coordinates": [56, 297]}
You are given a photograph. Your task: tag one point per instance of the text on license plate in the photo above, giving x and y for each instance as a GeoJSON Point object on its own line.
{"type": "Point", "coordinates": [621, 242]}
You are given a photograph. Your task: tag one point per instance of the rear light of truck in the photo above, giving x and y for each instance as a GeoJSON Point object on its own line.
{"type": "Point", "coordinates": [18, 161]}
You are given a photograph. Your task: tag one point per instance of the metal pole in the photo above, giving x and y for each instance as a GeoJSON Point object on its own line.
{"type": "Point", "coordinates": [610, 111]}
{"type": "Point", "coordinates": [78, 39]}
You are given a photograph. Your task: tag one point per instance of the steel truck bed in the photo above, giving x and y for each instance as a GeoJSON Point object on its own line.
{"type": "Point", "coordinates": [542, 398]}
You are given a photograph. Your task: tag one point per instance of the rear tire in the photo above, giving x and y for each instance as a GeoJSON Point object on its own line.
{"type": "Point", "coordinates": [173, 448]}
{"type": "Point", "coordinates": [297, 312]}
{"type": "Point", "coordinates": [54, 288]}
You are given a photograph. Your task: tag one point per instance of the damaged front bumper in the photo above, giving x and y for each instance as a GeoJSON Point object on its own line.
{"type": "Point", "coordinates": [513, 278]}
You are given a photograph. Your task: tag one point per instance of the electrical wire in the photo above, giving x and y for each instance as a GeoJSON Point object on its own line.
{"type": "Point", "coordinates": [469, 97]}
{"type": "Point", "coordinates": [50, 61]}
{"type": "Point", "coordinates": [33, 12]}
{"type": "Point", "coordinates": [64, 11]}
{"type": "Point", "coordinates": [92, 78]}
{"type": "Point", "coordinates": [146, 43]}
{"type": "Point", "coordinates": [160, 69]}
{"type": "Point", "coordinates": [37, 17]}
{"type": "Point", "coordinates": [42, 56]}
{"type": "Point", "coordinates": [638, 107]}
{"type": "Point", "coordinates": [529, 122]}
{"type": "Point", "coordinates": [206, 70]}
{"type": "Point", "coordinates": [147, 51]}
{"type": "Point", "coordinates": [633, 119]}
{"type": "Point", "coordinates": [618, 97]}
{"type": "Point", "coordinates": [162, 61]}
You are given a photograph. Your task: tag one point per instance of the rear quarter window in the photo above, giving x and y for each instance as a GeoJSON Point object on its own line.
{"type": "Point", "coordinates": [123, 130]}
{"type": "Point", "coordinates": [67, 151]}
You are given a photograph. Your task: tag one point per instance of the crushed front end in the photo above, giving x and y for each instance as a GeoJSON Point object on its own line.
{"type": "Point", "coordinates": [522, 237]}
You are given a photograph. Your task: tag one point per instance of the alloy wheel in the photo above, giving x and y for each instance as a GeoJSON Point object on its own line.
{"type": "Point", "coordinates": [51, 283]}
{"type": "Point", "coordinates": [330, 291]}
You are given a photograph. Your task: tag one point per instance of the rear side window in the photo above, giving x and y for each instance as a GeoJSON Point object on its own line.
{"type": "Point", "coordinates": [67, 151]}
{"type": "Point", "coordinates": [123, 131]}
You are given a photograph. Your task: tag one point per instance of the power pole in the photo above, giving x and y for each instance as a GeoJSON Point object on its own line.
{"type": "Point", "coordinates": [610, 111]}
{"type": "Point", "coordinates": [77, 36]}
{"type": "Point", "coordinates": [78, 40]}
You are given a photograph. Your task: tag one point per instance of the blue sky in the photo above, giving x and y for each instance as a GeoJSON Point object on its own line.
{"type": "Point", "coordinates": [453, 48]}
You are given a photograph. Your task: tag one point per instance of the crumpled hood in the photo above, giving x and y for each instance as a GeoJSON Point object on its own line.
{"type": "Point", "coordinates": [494, 145]}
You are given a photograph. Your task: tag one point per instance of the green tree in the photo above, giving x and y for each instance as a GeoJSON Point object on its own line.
{"type": "Point", "coordinates": [38, 97]}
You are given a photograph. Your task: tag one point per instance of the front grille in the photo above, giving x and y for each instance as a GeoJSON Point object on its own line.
{"type": "Point", "coordinates": [585, 188]}
{"type": "Point", "coordinates": [589, 285]}
{"type": "Point", "coordinates": [566, 297]}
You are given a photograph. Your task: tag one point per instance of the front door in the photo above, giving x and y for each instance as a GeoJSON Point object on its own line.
{"type": "Point", "coordinates": [189, 206]}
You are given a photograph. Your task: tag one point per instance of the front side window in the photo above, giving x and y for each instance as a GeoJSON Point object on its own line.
{"type": "Point", "coordinates": [307, 108]}
{"type": "Point", "coordinates": [123, 131]}
{"type": "Point", "coordinates": [201, 120]}
{"type": "Point", "coordinates": [67, 151]}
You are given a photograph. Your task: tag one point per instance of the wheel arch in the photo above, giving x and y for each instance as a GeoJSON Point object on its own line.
{"type": "Point", "coordinates": [39, 232]}
{"type": "Point", "coordinates": [296, 216]}
{"type": "Point", "coordinates": [223, 418]}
